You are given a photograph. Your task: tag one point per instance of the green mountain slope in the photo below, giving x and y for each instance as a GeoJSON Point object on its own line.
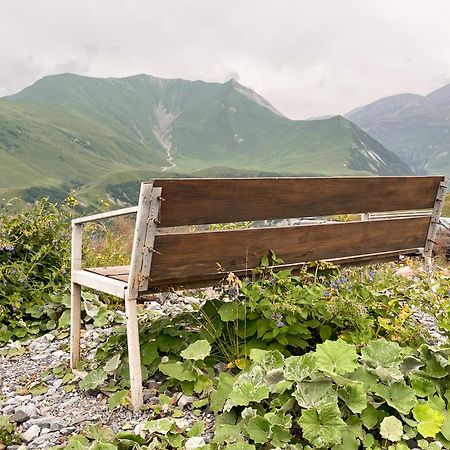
{"type": "Point", "coordinates": [415, 127]}
{"type": "Point", "coordinates": [73, 131]}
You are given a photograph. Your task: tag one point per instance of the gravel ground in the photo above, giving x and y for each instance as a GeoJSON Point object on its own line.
{"type": "Point", "coordinates": [48, 418]}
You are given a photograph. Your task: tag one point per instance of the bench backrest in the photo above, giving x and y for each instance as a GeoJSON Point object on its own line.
{"type": "Point", "coordinates": [190, 257]}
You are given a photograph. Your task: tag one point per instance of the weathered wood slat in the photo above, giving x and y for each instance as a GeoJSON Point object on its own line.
{"type": "Point", "coordinates": [202, 281]}
{"type": "Point", "coordinates": [99, 282]}
{"type": "Point", "coordinates": [206, 253]}
{"type": "Point", "coordinates": [110, 271]}
{"type": "Point", "coordinates": [216, 279]}
{"type": "Point", "coordinates": [203, 201]}
{"type": "Point", "coordinates": [106, 215]}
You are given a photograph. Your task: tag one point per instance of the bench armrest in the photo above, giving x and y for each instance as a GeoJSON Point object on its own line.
{"type": "Point", "coordinates": [105, 215]}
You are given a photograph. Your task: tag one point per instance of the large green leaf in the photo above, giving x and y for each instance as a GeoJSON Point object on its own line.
{"type": "Point", "coordinates": [231, 311]}
{"type": "Point", "coordinates": [382, 353]}
{"type": "Point", "coordinates": [160, 426]}
{"type": "Point", "coordinates": [178, 370]}
{"type": "Point", "coordinates": [398, 395]}
{"type": "Point", "coordinates": [119, 398]}
{"type": "Point", "coordinates": [322, 426]}
{"type": "Point", "coordinates": [354, 396]}
{"type": "Point", "coordinates": [422, 386]}
{"type": "Point", "coordinates": [112, 364]}
{"type": "Point", "coordinates": [198, 350]}
{"type": "Point", "coordinates": [258, 429]}
{"type": "Point", "coordinates": [391, 428]}
{"type": "Point", "coordinates": [240, 446]}
{"type": "Point", "coordinates": [429, 420]}
{"type": "Point", "coordinates": [99, 433]}
{"type": "Point", "coordinates": [245, 393]}
{"type": "Point", "coordinates": [445, 429]}
{"type": "Point", "coordinates": [298, 368]}
{"type": "Point", "coordinates": [370, 417]}
{"type": "Point", "coordinates": [227, 433]}
{"type": "Point", "coordinates": [221, 394]}
{"type": "Point", "coordinates": [336, 357]}
{"type": "Point", "coordinates": [315, 394]}
{"type": "Point", "coordinates": [93, 379]}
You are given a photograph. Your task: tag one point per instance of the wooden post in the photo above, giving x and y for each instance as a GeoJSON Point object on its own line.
{"type": "Point", "coordinates": [141, 256]}
{"type": "Point", "coordinates": [134, 353]}
{"type": "Point", "coordinates": [75, 293]}
{"type": "Point", "coordinates": [435, 217]}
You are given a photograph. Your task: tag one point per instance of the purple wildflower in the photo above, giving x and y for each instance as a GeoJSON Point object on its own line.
{"type": "Point", "coordinates": [280, 324]}
{"type": "Point", "coordinates": [233, 290]}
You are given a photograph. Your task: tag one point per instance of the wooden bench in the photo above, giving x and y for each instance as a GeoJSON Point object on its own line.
{"type": "Point", "coordinates": [164, 258]}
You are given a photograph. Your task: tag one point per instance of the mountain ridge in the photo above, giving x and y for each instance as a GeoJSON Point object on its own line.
{"type": "Point", "coordinates": [415, 127]}
{"type": "Point", "coordinates": [70, 130]}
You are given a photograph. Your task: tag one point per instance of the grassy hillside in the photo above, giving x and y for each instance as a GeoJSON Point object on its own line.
{"type": "Point", "coordinates": [69, 131]}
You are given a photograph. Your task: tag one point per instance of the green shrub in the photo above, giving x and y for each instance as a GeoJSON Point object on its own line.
{"type": "Point", "coordinates": [381, 397]}
{"type": "Point", "coordinates": [8, 435]}
{"type": "Point", "coordinates": [34, 269]}
{"type": "Point", "coordinates": [279, 311]}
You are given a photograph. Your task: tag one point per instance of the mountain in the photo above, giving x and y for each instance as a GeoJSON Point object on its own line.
{"type": "Point", "coordinates": [98, 134]}
{"type": "Point", "coordinates": [415, 127]}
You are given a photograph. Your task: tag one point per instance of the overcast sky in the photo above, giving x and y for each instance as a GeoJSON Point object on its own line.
{"type": "Point", "coordinates": [307, 57]}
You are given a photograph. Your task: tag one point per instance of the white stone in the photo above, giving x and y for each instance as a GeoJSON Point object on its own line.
{"type": "Point", "coordinates": [186, 400]}
{"type": "Point", "coordinates": [194, 442]}
{"type": "Point", "coordinates": [31, 433]}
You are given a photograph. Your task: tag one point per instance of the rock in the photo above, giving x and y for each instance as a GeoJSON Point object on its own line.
{"type": "Point", "coordinates": [45, 440]}
{"type": "Point", "coordinates": [194, 442]}
{"type": "Point", "coordinates": [7, 410]}
{"type": "Point", "coordinates": [19, 399]}
{"type": "Point", "coordinates": [59, 354]}
{"type": "Point", "coordinates": [24, 413]}
{"type": "Point", "coordinates": [406, 272]}
{"type": "Point", "coordinates": [40, 356]}
{"type": "Point", "coordinates": [181, 423]}
{"type": "Point", "coordinates": [54, 423]}
{"type": "Point", "coordinates": [51, 391]}
{"type": "Point", "coordinates": [45, 431]}
{"type": "Point", "coordinates": [31, 434]}
{"type": "Point", "coordinates": [186, 400]}
{"type": "Point", "coordinates": [57, 383]}
{"type": "Point", "coordinates": [139, 429]}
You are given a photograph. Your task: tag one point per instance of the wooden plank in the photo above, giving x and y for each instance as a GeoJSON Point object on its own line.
{"type": "Point", "coordinates": [106, 215]}
{"type": "Point", "coordinates": [206, 253]}
{"type": "Point", "coordinates": [99, 283]}
{"type": "Point", "coordinates": [134, 355]}
{"type": "Point", "coordinates": [147, 250]}
{"type": "Point", "coordinates": [220, 277]}
{"type": "Point", "coordinates": [75, 296]}
{"type": "Point", "coordinates": [110, 271]}
{"type": "Point", "coordinates": [203, 201]}
{"type": "Point", "coordinates": [140, 231]}
{"type": "Point", "coordinates": [435, 218]}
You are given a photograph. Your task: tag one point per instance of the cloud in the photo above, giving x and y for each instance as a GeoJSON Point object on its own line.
{"type": "Point", "coordinates": [307, 58]}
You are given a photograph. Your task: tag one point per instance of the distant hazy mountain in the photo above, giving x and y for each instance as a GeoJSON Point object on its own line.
{"type": "Point", "coordinates": [415, 127]}
{"type": "Point", "coordinates": [99, 134]}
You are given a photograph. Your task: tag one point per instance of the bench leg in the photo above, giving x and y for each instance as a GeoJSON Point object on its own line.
{"type": "Point", "coordinates": [75, 324]}
{"type": "Point", "coordinates": [134, 354]}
